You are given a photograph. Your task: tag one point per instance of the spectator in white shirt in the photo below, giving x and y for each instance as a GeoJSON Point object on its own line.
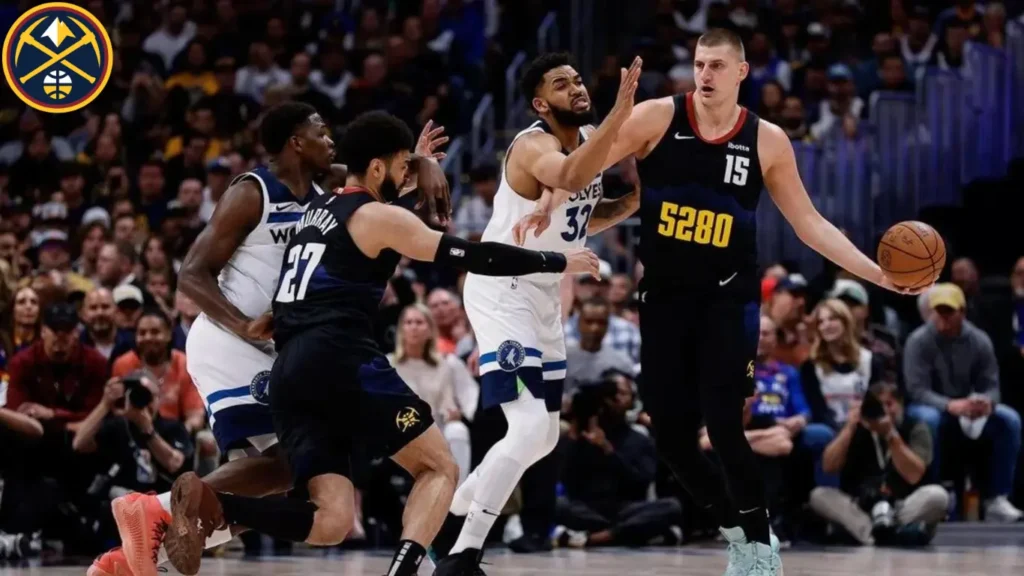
{"type": "Point", "coordinates": [442, 381]}
{"type": "Point", "coordinates": [843, 108]}
{"type": "Point", "coordinates": [331, 77]}
{"type": "Point", "coordinates": [172, 37]}
{"type": "Point", "coordinates": [261, 73]}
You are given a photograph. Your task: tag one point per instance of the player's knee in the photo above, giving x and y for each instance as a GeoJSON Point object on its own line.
{"type": "Point", "coordinates": [332, 524]}
{"type": "Point", "coordinates": [527, 434]}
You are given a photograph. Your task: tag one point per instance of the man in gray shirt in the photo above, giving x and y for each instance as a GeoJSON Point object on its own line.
{"type": "Point", "coordinates": [588, 360]}
{"type": "Point", "coordinates": [952, 376]}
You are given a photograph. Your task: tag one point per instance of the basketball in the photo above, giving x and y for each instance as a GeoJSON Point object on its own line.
{"type": "Point", "coordinates": [912, 254]}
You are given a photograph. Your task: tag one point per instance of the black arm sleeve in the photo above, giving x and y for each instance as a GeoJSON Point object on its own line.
{"type": "Point", "coordinates": [496, 259]}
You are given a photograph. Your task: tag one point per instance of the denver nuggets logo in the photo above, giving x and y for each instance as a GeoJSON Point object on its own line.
{"type": "Point", "coordinates": [57, 57]}
{"type": "Point", "coordinates": [407, 418]}
{"type": "Point", "coordinates": [260, 387]}
{"type": "Point", "coordinates": [510, 355]}
{"type": "Point", "coordinates": [750, 369]}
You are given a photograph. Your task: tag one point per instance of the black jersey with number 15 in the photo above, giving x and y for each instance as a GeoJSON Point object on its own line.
{"type": "Point", "coordinates": [698, 201]}
{"type": "Point", "coordinates": [327, 283]}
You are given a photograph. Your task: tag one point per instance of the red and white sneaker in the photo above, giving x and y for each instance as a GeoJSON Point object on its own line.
{"type": "Point", "coordinates": [112, 563]}
{"type": "Point", "coordinates": [142, 523]}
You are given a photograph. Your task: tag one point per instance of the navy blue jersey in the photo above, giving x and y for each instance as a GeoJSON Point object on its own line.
{"type": "Point", "coordinates": [327, 283]}
{"type": "Point", "coordinates": [698, 202]}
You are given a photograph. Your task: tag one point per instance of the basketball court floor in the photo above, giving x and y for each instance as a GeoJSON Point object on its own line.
{"type": "Point", "coordinates": [959, 550]}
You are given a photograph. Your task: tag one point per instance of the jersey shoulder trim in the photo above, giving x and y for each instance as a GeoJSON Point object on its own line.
{"type": "Point", "coordinates": [263, 191]}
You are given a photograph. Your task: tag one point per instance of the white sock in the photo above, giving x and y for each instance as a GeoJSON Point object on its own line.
{"type": "Point", "coordinates": [493, 489]}
{"type": "Point", "coordinates": [165, 501]}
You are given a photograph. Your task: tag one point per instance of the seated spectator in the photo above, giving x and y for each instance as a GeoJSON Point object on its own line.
{"type": "Point", "coordinates": [951, 374]}
{"type": "Point", "coordinates": [475, 211]}
{"type": "Point", "coordinates": [453, 331]}
{"type": "Point", "coordinates": [786, 309]}
{"type": "Point", "coordinates": [589, 359]}
{"type": "Point", "coordinates": [873, 335]}
{"type": "Point", "coordinates": [25, 321]}
{"type": "Point", "coordinates": [841, 112]}
{"type": "Point", "coordinates": [57, 380]}
{"type": "Point", "coordinates": [100, 331]}
{"type": "Point", "coordinates": [881, 454]}
{"type": "Point", "coordinates": [127, 429]}
{"type": "Point", "coordinates": [441, 380]}
{"type": "Point", "coordinates": [609, 468]}
{"type": "Point", "coordinates": [839, 371]}
{"type": "Point", "coordinates": [178, 397]}
{"type": "Point", "coordinates": [620, 335]}
{"type": "Point", "coordinates": [187, 314]}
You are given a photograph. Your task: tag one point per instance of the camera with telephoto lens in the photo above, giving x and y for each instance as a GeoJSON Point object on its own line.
{"type": "Point", "coordinates": [136, 392]}
{"type": "Point", "coordinates": [871, 408]}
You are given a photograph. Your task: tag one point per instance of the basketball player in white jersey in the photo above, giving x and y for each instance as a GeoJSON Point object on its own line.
{"type": "Point", "coordinates": [518, 321]}
{"type": "Point", "coordinates": [231, 272]}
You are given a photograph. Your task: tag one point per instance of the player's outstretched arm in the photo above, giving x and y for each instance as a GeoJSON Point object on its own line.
{"type": "Point", "coordinates": [608, 213]}
{"type": "Point", "coordinates": [237, 213]}
{"type": "Point", "coordinates": [782, 179]}
{"type": "Point", "coordinates": [540, 155]}
{"type": "Point", "coordinates": [375, 227]}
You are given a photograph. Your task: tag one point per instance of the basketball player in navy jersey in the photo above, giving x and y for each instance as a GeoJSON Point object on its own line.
{"type": "Point", "coordinates": [331, 385]}
{"type": "Point", "coordinates": [702, 161]}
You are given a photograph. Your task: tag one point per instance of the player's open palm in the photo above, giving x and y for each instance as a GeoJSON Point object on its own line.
{"type": "Point", "coordinates": [581, 261]}
{"type": "Point", "coordinates": [538, 221]}
{"type": "Point", "coordinates": [628, 82]}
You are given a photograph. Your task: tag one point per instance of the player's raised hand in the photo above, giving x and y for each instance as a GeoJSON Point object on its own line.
{"type": "Point", "coordinates": [538, 221]}
{"type": "Point", "coordinates": [261, 328]}
{"type": "Point", "coordinates": [886, 283]}
{"type": "Point", "coordinates": [431, 138]}
{"type": "Point", "coordinates": [628, 82]}
{"type": "Point", "coordinates": [581, 261]}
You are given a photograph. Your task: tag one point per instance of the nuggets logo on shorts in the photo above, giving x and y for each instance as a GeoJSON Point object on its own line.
{"type": "Point", "coordinates": [57, 57]}
{"type": "Point", "coordinates": [260, 387]}
{"type": "Point", "coordinates": [407, 418]}
{"type": "Point", "coordinates": [750, 369]}
{"type": "Point", "coordinates": [510, 355]}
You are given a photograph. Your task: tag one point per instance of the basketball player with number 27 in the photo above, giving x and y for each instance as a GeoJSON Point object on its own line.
{"type": "Point", "coordinates": [702, 161]}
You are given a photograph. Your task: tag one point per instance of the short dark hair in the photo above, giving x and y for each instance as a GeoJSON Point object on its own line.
{"type": "Point", "coordinates": [126, 250]}
{"type": "Point", "coordinates": [721, 36]}
{"type": "Point", "coordinates": [281, 122]}
{"type": "Point", "coordinates": [372, 135]}
{"type": "Point", "coordinates": [596, 302]}
{"type": "Point", "coordinates": [533, 76]}
{"type": "Point", "coordinates": [154, 312]}
{"type": "Point", "coordinates": [878, 388]}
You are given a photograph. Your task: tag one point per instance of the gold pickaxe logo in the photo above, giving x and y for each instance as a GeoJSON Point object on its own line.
{"type": "Point", "coordinates": [27, 55]}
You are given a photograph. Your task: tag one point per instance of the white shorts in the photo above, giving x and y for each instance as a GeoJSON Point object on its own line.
{"type": "Point", "coordinates": [232, 376]}
{"type": "Point", "coordinates": [518, 328]}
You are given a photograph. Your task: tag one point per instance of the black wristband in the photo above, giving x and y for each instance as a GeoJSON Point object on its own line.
{"type": "Point", "coordinates": [495, 258]}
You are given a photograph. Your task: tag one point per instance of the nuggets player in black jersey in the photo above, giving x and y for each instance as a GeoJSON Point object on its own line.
{"type": "Point", "coordinates": [702, 161]}
{"type": "Point", "coordinates": [331, 385]}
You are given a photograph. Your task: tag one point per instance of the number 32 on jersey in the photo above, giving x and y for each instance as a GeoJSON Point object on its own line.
{"type": "Point", "coordinates": [691, 225]}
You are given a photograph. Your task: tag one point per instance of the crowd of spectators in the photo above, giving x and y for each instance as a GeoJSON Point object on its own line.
{"type": "Point", "coordinates": [876, 423]}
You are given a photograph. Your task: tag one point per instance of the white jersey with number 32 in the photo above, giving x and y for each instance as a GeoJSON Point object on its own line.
{"type": "Point", "coordinates": [568, 228]}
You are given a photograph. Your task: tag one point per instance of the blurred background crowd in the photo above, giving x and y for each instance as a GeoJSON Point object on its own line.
{"type": "Point", "coordinates": [897, 110]}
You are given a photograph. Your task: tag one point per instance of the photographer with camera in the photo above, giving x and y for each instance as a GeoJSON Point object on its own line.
{"type": "Point", "coordinates": [144, 451]}
{"type": "Point", "coordinates": [881, 455]}
{"type": "Point", "coordinates": [609, 467]}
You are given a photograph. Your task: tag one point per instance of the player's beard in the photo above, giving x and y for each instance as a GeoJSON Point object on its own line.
{"type": "Point", "coordinates": [572, 118]}
{"type": "Point", "coordinates": [389, 190]}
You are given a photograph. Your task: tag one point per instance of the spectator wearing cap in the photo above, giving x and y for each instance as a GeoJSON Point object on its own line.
{"type": "Point", "coordinates": [475, 211]}
{"type": "Point", "coordinates": [91, 237]}
{"type": "Point", "coordinates": [952, 376]}
{"type": "Point", "coordinates": [819, 43]}
{"type": "Point", "coordinates": [840, 113]}
{"type": "Point", "coordinates": [57, 380]}
{"type": "Point", "coordinates": [786, 308]}
{"type": "Point", "coordinates": [218, 178]}
{"type": "Point", "coordinates": [54, 254]}
{"type": "Point", "coordinates": [52, 215]}
{"type": "Point", "coordinates": [620, 334]}
{"type": "Point", "coordinates": [871, 326]}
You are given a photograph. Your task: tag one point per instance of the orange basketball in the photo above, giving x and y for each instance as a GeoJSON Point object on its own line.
{"type": "Point", "coordinates": [912, 254]}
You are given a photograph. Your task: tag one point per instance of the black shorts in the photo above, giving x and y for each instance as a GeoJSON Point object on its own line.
{"type": "Point", "coordinates": [323, 401]}
{"type": "Point", "coordinates": [699, 345]}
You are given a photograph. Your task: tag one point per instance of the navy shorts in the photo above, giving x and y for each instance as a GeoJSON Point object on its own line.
{"type": "Point", "coordinates": [323, 401]}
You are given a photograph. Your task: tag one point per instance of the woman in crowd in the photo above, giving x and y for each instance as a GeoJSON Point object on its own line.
{"type": "Point", "coordinates": [442, 381]}
{"type": "Point", "coordinates": [839, 369]}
